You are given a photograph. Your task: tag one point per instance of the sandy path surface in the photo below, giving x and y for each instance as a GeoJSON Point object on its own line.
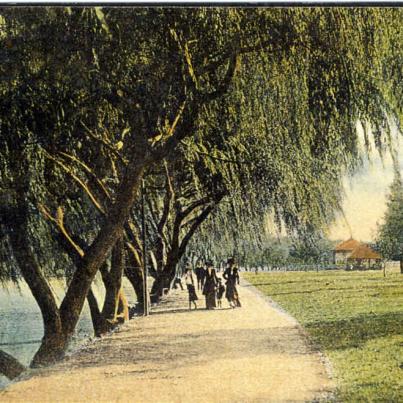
{"type": "Point", "coordinates": [251, 354]}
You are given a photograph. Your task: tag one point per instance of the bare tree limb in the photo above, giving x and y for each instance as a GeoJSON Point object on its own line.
{"type": "Point", "coordinates": [89, 170]}
{"type": "Point", "coordinates": [78, 180]}
{"type": "Point", "coordinates": [58, 220]}
{"type": "Point", "coordinates": [107, 144]}
{"type": "Point", "coordinates": [194, 206]}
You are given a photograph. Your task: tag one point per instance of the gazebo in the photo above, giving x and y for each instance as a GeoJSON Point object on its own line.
{"type": "Point", "coordinates": [362, 257]}
{"type": "Point", "coordinates": [343, 250]}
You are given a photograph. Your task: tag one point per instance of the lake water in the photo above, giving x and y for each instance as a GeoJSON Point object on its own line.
{"type": "Point", "coordinates": [21, 327]}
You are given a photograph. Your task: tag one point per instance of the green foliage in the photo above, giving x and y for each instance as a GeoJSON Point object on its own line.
{"type": "Point", "coordinates": [261, 104]}
{"type": "Point", "coordinates": [390, 232]}
{"type": "Point", "coordinates": [286, 135]}
{"type": "Point", "coordinates": [356, 318]}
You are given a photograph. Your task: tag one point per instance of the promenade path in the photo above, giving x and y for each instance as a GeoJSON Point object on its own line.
{"type": "Point", "coordinates": [251, 354]}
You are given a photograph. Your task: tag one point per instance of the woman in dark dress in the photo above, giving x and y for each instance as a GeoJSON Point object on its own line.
{"type": "Point", "coordinates": [191, 287]}
{"type": "Point", "coordinates": [232, 277]}
{"type": "Point", "coordinates": [209, 289]}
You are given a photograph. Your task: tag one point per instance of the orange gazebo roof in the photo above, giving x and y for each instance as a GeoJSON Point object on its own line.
{"type": "Point", "coordinates": [348, 245]}
{"type": "Point", "coordinates": [364, 252]}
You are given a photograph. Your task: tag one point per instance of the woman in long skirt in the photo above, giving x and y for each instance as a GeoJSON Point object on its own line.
{"type": "Point", "coordinates": [232, 277]}
{"type": "Point", "coordinates": [209, 289]}
{"type": "Point", "coordinates": [191, 287]}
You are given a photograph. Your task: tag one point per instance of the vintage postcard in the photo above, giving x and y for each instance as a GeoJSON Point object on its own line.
{"type": "Point", "coordinates": [201, 202]}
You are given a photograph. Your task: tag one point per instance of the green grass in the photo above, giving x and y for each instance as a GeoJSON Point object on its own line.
{"type": "Point", "coordinates": [357, 320]}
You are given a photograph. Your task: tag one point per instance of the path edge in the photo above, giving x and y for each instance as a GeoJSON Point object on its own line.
{"type": "Point", "coordinates": [323, 395]}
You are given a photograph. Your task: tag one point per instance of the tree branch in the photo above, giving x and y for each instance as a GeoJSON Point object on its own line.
{"type": "Point", "coordinates": [194, 206]}
{"type": "Point", "coordinates": [106, 144]}
{"type": "Point", "coordinates": [196, 224]}
{"type": "Point", "coordinates": [10, 366]}
{"type": "Point", "coordinates": [78, 180]}
{"type": "Point", "coordinates": [169, 192]}
{"type": "Point", "coordinates": [88, 170]}
{"type": "Point", "coordinates": [58, 220]}
{"type": "Point", "coordinates": [225, 83]}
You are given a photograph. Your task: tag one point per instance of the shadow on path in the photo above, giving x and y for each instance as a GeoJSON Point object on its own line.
{"type": "Point", "coordinates": [188, 348]}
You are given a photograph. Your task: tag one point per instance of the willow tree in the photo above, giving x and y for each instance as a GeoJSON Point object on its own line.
{"type": "Point", "coordinates": [294, 82]}
{"type": "Point", "coordinates": [303, 113]}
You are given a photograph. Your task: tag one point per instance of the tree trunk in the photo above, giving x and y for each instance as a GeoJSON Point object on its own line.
{"type": "Point", "coordinates": [163, 281]}
{"type": "Point", "coordinates": [401, 266]}
{"type": "Point", "coordinates": [99, 322]}
{"type": "Point", "coordinates": [9, 366]}
{"type": "Point", "coordinates": [37, 283]}
{"type": "Point", "coordinates": [96, 254]}
{"type": "Point", "coordinates": [134, 274]}
{"type": "Point", "coordinates": [74, 248]}
{"type": "Point", "coordinates": [165, 277]}
{"type": "Point", "coordinates": [75, 251]}
{"type": "Point", "coordinates": [114, 282]}
{"type": "Point", "coordinates": [160, 254]}
{"type": "Point", "coordinates": [123, 308]}
{"type": "Point", "coordinates": [112, 228]}
{"type": "Point", "coordinates": [178, 249]}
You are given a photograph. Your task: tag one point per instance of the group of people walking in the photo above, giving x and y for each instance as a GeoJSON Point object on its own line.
{"type": "Point", "coordinates": [212, 286]}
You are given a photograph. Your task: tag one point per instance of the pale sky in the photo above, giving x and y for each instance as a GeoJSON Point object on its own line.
{"type": "Point", "coordinates": [365, 199]}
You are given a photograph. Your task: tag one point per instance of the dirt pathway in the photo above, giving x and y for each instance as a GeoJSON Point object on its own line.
{"type": "Point", "coordinates": [251, 354]}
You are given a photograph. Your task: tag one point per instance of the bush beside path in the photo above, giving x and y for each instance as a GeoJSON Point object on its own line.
{"type": "Point", "coordinates": [252, 354]}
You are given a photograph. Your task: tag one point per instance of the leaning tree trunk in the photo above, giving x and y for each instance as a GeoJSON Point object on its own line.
{"type": "Point", "coordinates": [74, 248]}
{"type": "Point", "coordinates": [99, 323]}
{"type": "Point", "coordinates": [54, 340]}
{"type": "Point", "coordinates": [96, 254]}
{"type": "Point", "coordinates": [75, 251]}
{"type": "Point", "coordinates": [113, 282]}
{"type": "Point", "coordinates": [104, 321]}
{"type": "Point", "coordinates": [9, 366]}
{"type": "Point", "coordinates": [118, 214]}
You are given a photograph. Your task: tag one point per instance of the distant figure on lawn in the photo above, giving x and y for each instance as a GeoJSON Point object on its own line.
{"type": "Point", "coordinates": [209, 289]}
{"type": "Point", "coordinates": [200, 275]}
{"type": "Point", "coordinates": [190, 284]}
{"type": "Point", "coordinates": [232, 276]}
{"type": "Point", "coordinates": [220, 292]}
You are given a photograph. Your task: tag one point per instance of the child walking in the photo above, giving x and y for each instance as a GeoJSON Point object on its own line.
{"type": "Point", "coordinates": [191, 287]}
{"type": "Point", "coordinates": [220, 292]}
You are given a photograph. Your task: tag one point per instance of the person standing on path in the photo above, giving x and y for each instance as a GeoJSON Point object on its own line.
{"type": "Point", "coordinates": [200, 275]}
{"type": "Point", "coordinates": [232, 276]}
{"type": "Point", "coordinates": [209, 289]}
{"type": "Point", "coordinates": [191, 287]}
{"type": "Point", "coordinates": [220, 292]}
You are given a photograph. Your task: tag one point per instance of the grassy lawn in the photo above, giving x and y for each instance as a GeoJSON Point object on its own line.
{"type": "Point", "coordinates": [357, 320]}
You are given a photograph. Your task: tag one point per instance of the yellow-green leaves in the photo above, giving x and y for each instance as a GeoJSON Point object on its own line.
{"type": "Point", "coordinates": [101, 17]}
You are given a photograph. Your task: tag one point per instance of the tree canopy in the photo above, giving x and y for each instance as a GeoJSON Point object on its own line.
{"type": "Point", "coordinates": [228, 114]}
